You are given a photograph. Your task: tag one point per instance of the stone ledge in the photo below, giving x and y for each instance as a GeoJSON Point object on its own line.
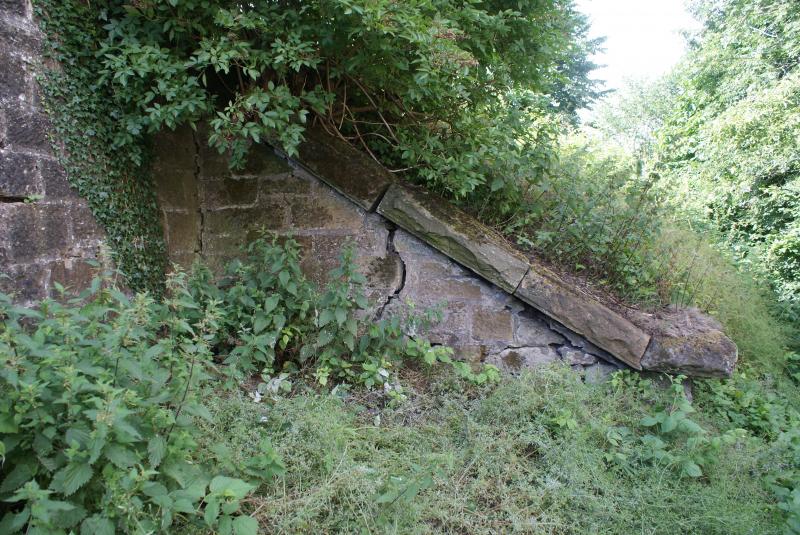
{"type": "Point", "coordinates": [456, 234]}
{"type": "Point", "coordinates": [344, 168]}
{"type": "Point", "coordinates": [598, 324]}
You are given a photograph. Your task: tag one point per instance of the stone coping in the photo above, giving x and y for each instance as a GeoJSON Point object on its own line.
{"type": "Point", "coordinates": [456, 234]}
{"type": "Point", "coordinates": [345, 169]}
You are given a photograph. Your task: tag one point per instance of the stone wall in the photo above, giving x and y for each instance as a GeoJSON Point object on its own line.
{"type": "Point", "coordinates": [48, 232]}
{"type": "Point", "coordinates": [211, 212]}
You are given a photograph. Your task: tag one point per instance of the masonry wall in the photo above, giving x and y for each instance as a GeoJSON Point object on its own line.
{"type": "Point", "coordinates": [211, 212]}
{"type": "Point", "coordinates": [46, 231]}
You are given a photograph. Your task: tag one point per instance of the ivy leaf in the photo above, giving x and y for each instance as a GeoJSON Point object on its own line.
{"type": "Point", "coordinates": [72, 477]}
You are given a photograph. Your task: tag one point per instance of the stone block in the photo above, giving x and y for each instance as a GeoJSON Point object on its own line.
{"type": "Point", "coordinates": [531, 331]}
{"type": "Point", "coordinates": [18, 35]}
{"type": "Point", "coordinates": [687, 341]}
{"type": "Point", "coordinates": [599, 373]}
{"type": "Point", "coordinates": [176, 188]}
{"type": "Point", "coordinates": [84, 225]}
{"type": "Point", "coordinates": [262, 161]}
{"type": "Point", "coordinates": [324, 211]}
{"type": "Point", "coordinates": [213, 165]}
{"type": "Point", "coordinates": [602, 326]}
{"type": "Point", "coordinates": [32, 231]}
{"type": "Point", "coordinates": [20, 175]}
{"type": "Point", "coordinates": [27, 128]}
{"type": "Point", "coordinates": [383, 273]}
{"type": "Point", "coordinates": [350, 172]}
{"type": "Point", "coordinates": [516, 360]}
{"type": "Point", "coordinates": [456, 234]}
{"type": "Point", "coordinates": [72, 273]}
{"type": "Point", "coordinates": [492, 325]}
{"type": "Point", "coordinates": [243, 221]}
{"type": "Point", "coordinates": [182, 231]}
{"type": "Point", "coordinates": [287, 183]}
{"type": "Point", "coordinates": [175, 150]}
{"type": "Point", "coordinates": [324, 256]}
{"type": "Point", "coordinates": [18, 8]}
{"type": "Point", "coordinates": [575, 357]}
{"type": "Point", "coordinates": [429, 290]}
{"type": "Point", "coordinates": [13, 78]}
{"type": "Point", "coordinates": [183, 260]}
{"type": "Point", "coordinates": [25, 282]}
{"type": "Point", "coordinates": [229, 192]}
{"type": "Point", "coordinates": [56, 183]}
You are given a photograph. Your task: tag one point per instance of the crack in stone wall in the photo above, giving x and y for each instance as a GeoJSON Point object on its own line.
{"type": "Point", "coordinates": [482, 322]}
{"type": "Point", "coordinates": [391, 252]}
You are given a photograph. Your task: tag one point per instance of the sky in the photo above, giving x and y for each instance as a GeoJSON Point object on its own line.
{"type": "Point", "coordinates": [643, 39]}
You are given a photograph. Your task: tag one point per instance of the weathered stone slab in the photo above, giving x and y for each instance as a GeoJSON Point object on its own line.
{"type": "Point", "coordinates": [689, 342]}
{"type": "Point", "coordinates": [456, 234]}
{"type": "Point", "coordinates": [603, 327]}
{"type": "Point", "coordinates": [344, 168]}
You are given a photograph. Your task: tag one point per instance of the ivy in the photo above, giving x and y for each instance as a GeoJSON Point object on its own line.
{"type": "Point", "coordinates": [114, 180]}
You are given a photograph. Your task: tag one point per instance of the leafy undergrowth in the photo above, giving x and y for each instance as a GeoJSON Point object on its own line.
{"type": "Point", "coordinates": [537, 454]}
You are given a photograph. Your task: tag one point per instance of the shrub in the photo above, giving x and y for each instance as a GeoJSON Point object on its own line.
{"type": "Point", "coordinates": [96, 419]}
{"type": "Point", "coordinates": [100, 394]}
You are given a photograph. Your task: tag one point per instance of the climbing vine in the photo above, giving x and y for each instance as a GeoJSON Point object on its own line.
{"type": "Point", "coordinates": [85, 119]}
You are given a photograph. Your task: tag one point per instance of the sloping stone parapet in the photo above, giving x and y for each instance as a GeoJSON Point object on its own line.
{"type": "Point", "coordinates": [600, 325]}
{"type": "Point", "coordinates": [345, 169]}
{"type": "Point", "coordinates": [689, 342]}
{"type": "Point", "coordinates": [456, 234]}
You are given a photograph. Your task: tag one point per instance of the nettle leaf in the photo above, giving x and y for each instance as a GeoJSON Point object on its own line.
{"type": "Point", "coordinates": [231, 487]}
{"type": "Point", "coordinates": [325, 317]}
{"type": "Point", "coordinates": [156, 449]}
{"type": "Point", "coordinates": [120, 456]}
{"type": "Point", "coordinates": [72, 477]}
{"type": "Point", "coordinates": [97, 525]}
{"type": "Point", "coordinates": [245, 525]}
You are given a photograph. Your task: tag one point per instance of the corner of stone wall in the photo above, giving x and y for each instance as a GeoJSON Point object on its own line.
{"type": "Point", "coordinates": [48, 230]}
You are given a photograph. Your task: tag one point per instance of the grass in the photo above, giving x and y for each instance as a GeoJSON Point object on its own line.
{"type": "Point", "coordinates": [526, 456]}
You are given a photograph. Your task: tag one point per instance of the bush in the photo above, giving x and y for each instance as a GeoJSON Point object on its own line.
{"type": "Point", "coordinates": [97, 416]}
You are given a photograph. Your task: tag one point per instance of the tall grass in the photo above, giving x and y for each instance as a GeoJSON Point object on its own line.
{"type": "Point", "coordinates": [526, 457]}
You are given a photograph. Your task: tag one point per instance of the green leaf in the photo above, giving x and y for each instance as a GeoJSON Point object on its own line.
{"type": "Point", "coordinates": [237, 488]}
{"type": "Point", "coordinates": [245, 525]}
{"type": "Point", "coordinates": [72, 477]}
{"type": "Point", "coordinates": [691, 469]}
{"type": "Point", "coordinates": [271, 302]}
{"type": "Point", "coordinates": [7, 424]}
{"type": "Point", "coordinates": [325, 317]}
{"type": "Point", "coordinates": [669, 424]}
{"type": "Point", "coordinates": [12, 523]}
{"type": "Point", "coordinates": [260, 323]}
{"type": "Point", "coordinates": [341, 316]}
{"type": "Point", "coordinates": [211, 511]}
{"type": "Point", "coordinates": [156, 449]}
{"type": "Point", "coordinates": [120, 456]}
